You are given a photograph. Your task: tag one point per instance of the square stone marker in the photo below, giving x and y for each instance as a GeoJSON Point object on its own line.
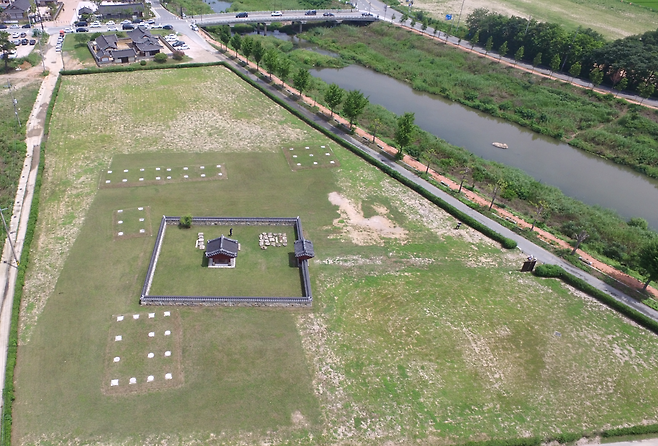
{"type": "Point", "coordinates": [299, 164]}
{"type": "Point", "coordinates": [168, 376]}
{"type": "Point", "coordinates": [125, 170]}
{"type": "Point", "coordinates": [119, 318]}
{"type": "Point", "coordinates": [120, 222]}
{"type": "Point", "coordinates": [114, 382]}
{"type": "Point", "coordinates": [327, 154]}
{"type": "Point", "coordinates": [140, 209]}
{"type": "Point", "coordinates": [307, 148]}
{"type": "Point", "coordinates": [185, 176]}
{"type": "Point", "coordinates": [141, 219]}
{"type": "Point", "coordinates": [168, 169]}
{"type": "Point", "coordinates": [150, 379]}
{"type": "Point", "coordinates": [310, 154]}
{"type": "Point", "coordinates": [220, 174]}
{"type": "Point", "coordinates": [169, 178]}
{"type": "Point", "coordinates": [125, 180]}
{"type": "Point", "coordinates": [151, 334]}
{"type": "Point", "coordinates": [142, 231]}
{"type": "Point", "coordinates": [133, 380]}
{"type": "Point", "coordinates": [120, 210]}
{"type": "Point", "coordinates": [219, 166]}
{"type": "Point", "coordinates": [322, 147]}
{"type": "Point", "coordinates": [135, 316]}
{"type": "Point", "coordinates": [167, 313]}
{"type": "Point", "coordinates": [292, 148]}
{"type": "Point", "coordinates": [107, 181]}
{"type": "Point", "coordinates": [167, 353]}
{"type": "Point", "coordinates": [118, 338]}
{"type": "Point", "coordinates": [184, 168]}
{"type": "Point", "coordinates": [202, 167]}
{"type": "Point", "coordinates": [109, 171]}
{"type": "Point", "coordinates": [141, 179]}
{"type": "Point", "coordinates": [331, 162]}
{"type": "Point", "coordinates": [151, 315]}
{"type": "Point", "coordinates": [150, 355]}
{"type": "Point", "coordinates": [157, 168]}
{"type": "Point", "coordinates": [120, 233]}
{"type": "Point", "coordinates": [294, 156]}
{"type": "Point", "coordinates": [141, 170]}
{"type": "Point", "coordinates": [315, 162]}
{"type": "Point", "coordinates": [203, 175]}
{"type": "Point", "coordinates": [157, 178]}
{"type": "Point", "coordinates": [167, 332]}
{"type": "Point", "coordinates": [117, 359]}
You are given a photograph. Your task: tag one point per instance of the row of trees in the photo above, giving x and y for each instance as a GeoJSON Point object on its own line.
{"type": "Point", "coordinates": [624, 63]}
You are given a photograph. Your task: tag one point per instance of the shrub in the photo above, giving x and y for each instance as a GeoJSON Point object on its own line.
{"type": "Point", "coordinates": [160, 57]}
{"type": "Point", "coordinates": [142, 62]}
{"type": "Point", "coordinates": [186, 221]}
{"type": "Point", "coordinates": [178, 55]}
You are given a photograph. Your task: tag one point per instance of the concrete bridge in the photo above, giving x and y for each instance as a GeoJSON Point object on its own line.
{"type": "Point", "coordinates": [266, 17]}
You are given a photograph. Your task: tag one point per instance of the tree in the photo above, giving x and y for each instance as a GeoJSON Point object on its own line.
{"type": "Point", "coordinates": [160, 57]}
{"type": "Point", "coordinates": [236, 42]}
{"type": "Point", "coordinates": [464, 173]}
{"type": "Point", "coordinates": [177, 55]}
{"type": "Point", "coordinates": [185, 220]}
{"type": "Point", "coordinates": [270, 60]}
{"type": "Point", "coordinates": [519, 54]}
{"type": "Point", "coordinates": [404, 130]}
{"type": "Point", "coordinates": [247, 47]}
{"type": "Point", "coordinates": [649, 262]}
{"type": "Point", "coordinates": [498, 186]}
{"type": "Point", "coordinates": [413, 23]}
{"type": "Point", "coordinates": [596, 76]}
{"type": "Point", "coordinates": [6, 46]}
{"type": "Point", "coordinates": [301, 80]}
{"type": "Point", "coordinates": [555, 63]}
{"type": "Point", "coordinates": [502, 50]}
{"type": "Point", "coordinates": [423, 27]}
{"type": "Point", "coordinates": [536, 61]}
{"type": "Point", "coordinates": [374, 125]}
{"type": "Point", "coordinates": [427, 156]}
{"type": "Point", "coordinates": [333, 96]}
{"type": "Point", "coordinates": [258, 51]}
{"type": "Point", "coordinates": [580, 237]}
{"type": "Point", "coordinates": [225, 35]}
{"type": "Point", "coordinates": [540, 208]}
{"type": "Point", "coordinates": [488, 46]}
{"type": "Point", "coordinates": [621, 86]}
{"type": "Point", "coordinates": [283, 69]}
{"type": "Point", "coordinates": [475, 39]}
{"type": "Point", "coordinates": [645, 89]}
{"type": "Point", "coordinates": [574, 70]}
{"type": "Point", "coordinates": [354, 105]}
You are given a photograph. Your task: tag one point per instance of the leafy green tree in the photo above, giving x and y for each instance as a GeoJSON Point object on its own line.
{"type": "Point", "coordinates": [475, 39]}
{"type": "Point", "coordinates": [413, 23]}
{"type": "Point", "coordinates": [502, 50]}
{"type": "Point", "coordinates": [404, 130]}
{"type": "Point", "coordinates": [301, 80]}
{"type": "Point", "coordinates": [185, 220]}
{"type": "Point", "coordinates": [428, 155]}
{"type": "Point", "coordinates": [488, 46]}
{"type": "Point", "coordinates": [423, 27]}
{"type": "Point", "coordinates": [649, 262]}
{"type": "Point", "coordinates": [236, 43]}
{"type": "Point", "coordinates": [498, 187]}
{"type": "Point", "coordinates": [621, 86]}
{"type": "Point", "coordinates": [6, 46]}
{"type": "Point", "coordinates": [574, 70]}
{"type": "Point", "coordinates": [580, 237]}
{"type": "Point", "coordinates": [519, 54]}
{"type": "Point", "coordinates": [333, 96]}
{"type": "Point", "coordinates": [645, 89]}
{"type": "Point", "coordinates": [354, 105]}
{"type": "Point", "coordinates": [270, 60]}
{"type": "Point", "coordinates": [555, 63]}
{"type": "Point", "coordinates": [225, 35]}
{"type": "Point", "coordinates": [283, 69]}
{"type": "Point", "coordinates": [258, 51]}
{"type": "Point", "coordinates": [596, 76]}
{"type": "Point", "coordinates": [536, 61]}
{"type": "Point", "coordinates": [247, 46]}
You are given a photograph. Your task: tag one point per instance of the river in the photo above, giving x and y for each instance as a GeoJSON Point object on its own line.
{"type": "Point", "coordinates": [578, 174]}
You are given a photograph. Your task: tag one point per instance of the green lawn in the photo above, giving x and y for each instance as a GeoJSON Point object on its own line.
{"type": "Point", "coordinates": [418, 334]}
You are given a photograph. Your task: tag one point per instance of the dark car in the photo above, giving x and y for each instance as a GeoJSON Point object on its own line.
{"type": "Point", "coordinates": [366, 14]}
{"type": "Point", "coordinates": [137, 20]}
{"type": "Point", "coordinates": [3, 26]}
{"type": "Point", "coordinates": [81, 30]}
{"type": "Point", "coordinates": [33, 42]}
{"type": "Point", "coordinates": [23, 35]}
{"type": "Point", "coordinates": [328, 14]}
{"type": "Point", "coordinates": [24, 42]}
{"type": "Point", "coordinates": [241, 15]}
{"type": "Point", "coordinates": [27, 25]}
{"type": "Point", "coordinates": [81, 24]}
{"type": "Point", "coordinates": [127, 26]}
{"type": "Point", "coordinates": [311, 12]}
{"type": "Point", "coordinates": [168, 27]}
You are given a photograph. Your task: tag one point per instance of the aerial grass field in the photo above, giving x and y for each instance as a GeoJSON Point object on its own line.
{"type": "Point", "coordinates": [419, 333]}
{"type": "Point", "coordinates": [612, 18]}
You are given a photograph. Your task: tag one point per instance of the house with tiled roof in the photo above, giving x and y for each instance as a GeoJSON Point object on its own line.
{"type": "Point", "coordinates": [16, 10]}
{"type": "Point", "coordinates": [221, 252]}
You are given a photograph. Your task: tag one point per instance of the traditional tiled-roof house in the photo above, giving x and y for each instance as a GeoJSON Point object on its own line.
{"type": "Point", "coordinates": [304, 249]}
{"type": "Point", "coordinates": [144, 43]}
{"type": "Point", "coordinates": [221, 252]}
{"type": "Point", "coordinates": [17, 10]}
{"type": "Point", "coordinates": [112, 10]}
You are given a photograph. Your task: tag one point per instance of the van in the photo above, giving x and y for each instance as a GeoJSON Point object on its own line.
{"type": "Point", "coordinates": [241, 15]}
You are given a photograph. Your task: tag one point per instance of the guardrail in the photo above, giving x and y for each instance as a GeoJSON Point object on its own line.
{"type": "Point", "coordinates": [224, 19]}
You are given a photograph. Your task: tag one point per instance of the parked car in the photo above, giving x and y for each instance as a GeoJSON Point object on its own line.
{"type": "Point", "coordinates": [194, 27]}
{"type": "Point", "coordinates": [137, 21]}
{"type": "Point", "coordinates": [3, 26]}
{"type": "Point", "coordinates": [27, 25]}
{"type": "Point", "coordinates": [24, 42]}
{"type": "Point", "coordinates": [328, 14]}
{"type": "Point", "coordinates": [125, 21]}
{"type": "Point", "coordinates": [127, 26]}
{"type": "Point", "coordinates": [14, 26]}
{"type": "Point", "coordinates": [81, 24]}
{"type": "Point", "coordinates": [178, 43]}
{"type": "Point", "coordinates": [112, 28]}
{"type": "Point", "coordinates": [16, 42]}
{"type": "Point", "coordinates": [276, 14]}
{"type": "Point", "coordinates": [95, 24]}
{"type": "Point", "coordinates": [58, 49]}
{"type": "Point", "coordinates": [311, 12]}
{"type": "Point", "coordinates": [81, 30]}
{"type": "Point", "coordinates": [169, 27]}
{"type": "Point", "coordinates": [33, 41]}
{"type": "Point", "coordinates": [183, 47]}
{"type": "Point", "coordinates": [151, 21]}
{"type": "Point", "coordinates": [156, 26]}
{"type": "Point", "coordinates": [366, 14]}
{"type": "Point", "coordinates": [241, 15]}
{"type": "Point", "coordinates": [23, 35]}
{"type": "Point", "coordinates": [111, 22]}
{"type": "Point", "coordinates": [15, 35]}
{"type": "Point", "coordinates": [68, 30]}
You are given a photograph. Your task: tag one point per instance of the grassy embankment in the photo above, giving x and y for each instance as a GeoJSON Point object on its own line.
{"type": "Point", "coordinates": [12, 141]}
{"type": "Point", "coordinates": [429, 334]}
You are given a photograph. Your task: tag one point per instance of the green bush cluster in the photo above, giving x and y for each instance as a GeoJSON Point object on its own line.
{"type": "Point", "coordinates": [632, 430]}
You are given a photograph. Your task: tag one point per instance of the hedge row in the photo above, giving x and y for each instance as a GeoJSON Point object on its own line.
{"type": "Point", "coordinates": [130, 68]}
{"type": "Point", "coordinates": [559, 273]}
{"type": "Point", "coordinates": [633, 430]}
{"type": "Point", "coordinates": [461, 216]}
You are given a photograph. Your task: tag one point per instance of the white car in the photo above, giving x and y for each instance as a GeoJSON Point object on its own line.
{"type": "Point", "coordinates": [194, 27]}
{"type": "Point", "coordinates": [111, 22]}
{"type": "Point", "coordinates": [95, 25]}
{"type": "Point", "coordinates": [68, 30]}
{"type": "Point", "coordinates": [112, 28]}
{"type": "Point", "coordinates": [157, 26]}
{"type": "Point", "coordinates": [277, 14]}
{"type": "Point", "coordinates": [126, 22]}
{"type": "Point", "coordinates": [183, 47]}
{"type": "Point", "coordinates": [15, 36]}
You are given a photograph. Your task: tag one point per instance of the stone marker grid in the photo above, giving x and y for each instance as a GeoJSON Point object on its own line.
{"type": "Point", "coordinates": [305, 301]}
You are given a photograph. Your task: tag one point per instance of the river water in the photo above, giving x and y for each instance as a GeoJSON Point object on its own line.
{"type": "Point", "coordinates": [578, 174]}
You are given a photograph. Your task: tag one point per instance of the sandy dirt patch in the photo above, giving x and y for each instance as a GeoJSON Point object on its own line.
{"type": "Point", "coordinates": [364, 231]}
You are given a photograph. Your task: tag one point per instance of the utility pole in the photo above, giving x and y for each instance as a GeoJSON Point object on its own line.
{"type": "Point", "coordinates": [15, 102]}
{"type": "Point", "coordinates": [9, 237]}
